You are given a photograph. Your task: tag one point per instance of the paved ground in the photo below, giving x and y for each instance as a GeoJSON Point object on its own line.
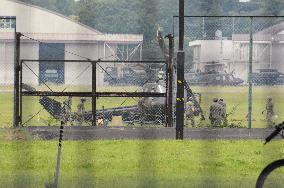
{"type": "Point", "coordinates": [92, 133]}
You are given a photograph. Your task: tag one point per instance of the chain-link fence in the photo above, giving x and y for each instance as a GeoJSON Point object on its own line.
{"type": "Point", "coordinates": [220, 64]}
{"type": "Point", "coordinates": [7, 60]}
{"type": "Point", "coordinates": [92, 92]}
{"type": "Point", "coordinates": [235, 64]}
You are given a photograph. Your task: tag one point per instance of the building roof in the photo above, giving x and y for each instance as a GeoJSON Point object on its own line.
{"type": "Point", "coordinates": [43, 24]}
{"type": "Point", "coordinates": [272, 30]}
{"type": "Point", "coordinates": [84, 38]}
{"type": "Point", "coordinates": [256, 37]}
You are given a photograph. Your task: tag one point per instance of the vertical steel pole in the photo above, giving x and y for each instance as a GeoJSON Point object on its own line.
{"type": "Point", "coordinates": [94, 91]}
{"type": "Point", "coordinates": [141, 52]}
{"type": "Point", "coordinates": [173, 26]}
{"type": "Point", "coordinates": [57, 173]}
{"type": "Point", "coordinates": [21, 95]}
{"type": "Point", "coordinates": [181, 24]}
{"type": "Point", "coordinates": [16, 79]}
{"type": "Point", "coordinates": [170, 81]}
{"type": "Point", "coordinates": [250, 74]}
{"type": "Point", "coordinates": [180, 76]}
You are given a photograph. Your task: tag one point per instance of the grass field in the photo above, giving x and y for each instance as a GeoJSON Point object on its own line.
{"type": "Point", "coordinates": [128, 163]}
{"type": "Point", "coordinates": [235, 98]}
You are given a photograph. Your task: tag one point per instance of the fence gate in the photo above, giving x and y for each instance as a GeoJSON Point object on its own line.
{"type": "Point", "coordinates": [101, 93]}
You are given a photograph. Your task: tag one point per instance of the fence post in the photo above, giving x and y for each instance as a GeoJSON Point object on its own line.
{"type": "Point", "coordinates": [170, 81]}
{"type": "Point", "coordinates": [94, 91]}
{"type": "Point", "coordinates": [57, 172]}
{"type": "Point", "coordinates": [16, 79]}
{"type": "Point", "coordinates": [20, 93]}
{"type": "Point", "coordinates": [250, 74]}
{"type": "Point", "coordinates": [180, 76]}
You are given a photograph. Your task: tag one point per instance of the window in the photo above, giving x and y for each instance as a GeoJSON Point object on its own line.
{"type": "Point", "coordinates": [7, 23]}
{"type": "Point", "coordinates": [51, 72]}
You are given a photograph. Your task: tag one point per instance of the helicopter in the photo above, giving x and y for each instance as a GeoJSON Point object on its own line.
{"type": "Point", "coordinates": [148, 109]}
{"type": "Point", "coordinates": [268, 77]}
{"type": "Point", "coordinates": [213, 74]}
{"type": "Point", "coordinates": [136, 74]}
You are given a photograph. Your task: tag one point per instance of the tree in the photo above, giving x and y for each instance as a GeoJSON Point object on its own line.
{"type": "Point", "coordinates": [273, 7]}
{"type": "Point", "coordinates": [211, 25]}
{"type": "Point", "coordinates": [65, 7]}
{"type": "Point", "coordinates": [86, 10]}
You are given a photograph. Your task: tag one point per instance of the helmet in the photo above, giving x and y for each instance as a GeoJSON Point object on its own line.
{"type": "Point", "coordinates": [188, 103]}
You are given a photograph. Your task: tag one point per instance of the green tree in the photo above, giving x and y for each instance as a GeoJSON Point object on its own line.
{"type": "Point", "coordinates": [273, 7]}
{"type": "Point", "coordinates": [211, 25]}
{"type": "Point", "coordinates": [86, 10]}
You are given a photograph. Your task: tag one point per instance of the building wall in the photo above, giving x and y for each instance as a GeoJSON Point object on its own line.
{"type": "Point", "coordinates": [30, 50]}
{"type": "Point", "coordinates": [32, 19]}
{"type": "Point", "coordinates": [215, 50]}
{"type": "Point", "coordinates": [6, 63]}
{"type": "Point", "coordinates": [235, 55]}
{"type": "Point", "coordinates": [277, 57]}
{"type": "Point", "coordinates": [91, 51]}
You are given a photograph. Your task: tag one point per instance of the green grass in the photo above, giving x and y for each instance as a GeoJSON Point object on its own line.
{"type": "Point", "coordinates": [235, 97]}
{"type": "Point", "coordinates": [6, 109]}
{"type": "Point", "coordinates": [128, 163]}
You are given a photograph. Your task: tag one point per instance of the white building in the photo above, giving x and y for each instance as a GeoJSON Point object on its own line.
{"type": "Point", "coordinates": [62, 38]}
{"type": "Point", "coordinates": [268, 46]}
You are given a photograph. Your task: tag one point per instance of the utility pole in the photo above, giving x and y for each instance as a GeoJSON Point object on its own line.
{"type": "Point", "coordinates": [180, 76]}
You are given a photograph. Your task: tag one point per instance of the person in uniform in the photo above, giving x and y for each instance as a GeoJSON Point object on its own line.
{"type": "Point", "coordinates": [160, 76]}
{"type": "Point", "coordinates": [67, 109]}
{"type": "Point", "coordinates": [81, 110]}
{"type": "Point", "coordinates": [269, 112]}
{"type": "Point", "coordinates": [223, 112]}
{"type": "Point", "coordinates": [215, 113]}
{"type": "Point", "coordinates": [189, 113]}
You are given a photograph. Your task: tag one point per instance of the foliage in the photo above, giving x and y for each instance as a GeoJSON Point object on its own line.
{"type": "Point", "coordinates": [144, 16]}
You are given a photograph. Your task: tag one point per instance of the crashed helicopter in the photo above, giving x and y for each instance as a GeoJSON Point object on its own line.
{"type": "Point", "coordinates": [149, 110]}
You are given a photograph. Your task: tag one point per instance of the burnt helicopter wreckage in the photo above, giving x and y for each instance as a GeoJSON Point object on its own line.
{"type": "Point", "coordinates": [149, 110]}
{"type": "Point", "coordinates": [214, 74]}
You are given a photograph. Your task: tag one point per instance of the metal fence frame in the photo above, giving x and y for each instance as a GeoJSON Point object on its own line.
{"type": "Point", "coordinates": [181, 18]}
{"type": "Point", "coordinates": [94, 94]}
